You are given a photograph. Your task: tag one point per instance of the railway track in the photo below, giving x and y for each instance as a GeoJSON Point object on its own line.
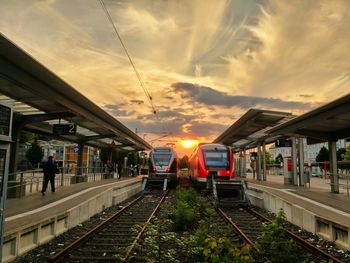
{"type": "Point", "coordinates": [114, 239]}
{"type": "Point", "coordinates": [248, 223]}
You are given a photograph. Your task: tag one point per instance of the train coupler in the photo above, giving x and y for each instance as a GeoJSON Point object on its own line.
{"type": "Point", "coordinates": [229, 192]}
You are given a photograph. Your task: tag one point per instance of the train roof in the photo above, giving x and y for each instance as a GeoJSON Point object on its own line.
{"type": "Point", "coordinates": [163, 149]}
{"type": "Point", "coordinates": [212, 146]}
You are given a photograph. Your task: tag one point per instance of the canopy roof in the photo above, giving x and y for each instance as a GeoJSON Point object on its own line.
{"type": "Point", "coordinates": [40, 98]}
{"type": "Point", "coordinates": [252, 128]}
{"type": "Point", "coordinates": [329, 122]}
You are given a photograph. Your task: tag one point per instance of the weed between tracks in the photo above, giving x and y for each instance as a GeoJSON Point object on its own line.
{"type": "Point", "coordinates": [187, 229]}
{"type": "Point", "coordinates": [184, 230]}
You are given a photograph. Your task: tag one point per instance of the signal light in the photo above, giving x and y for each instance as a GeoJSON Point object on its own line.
{"type": "Point", "coordinates": [167, 170]}
{"type": "Point", "coordinates": [154, 169]}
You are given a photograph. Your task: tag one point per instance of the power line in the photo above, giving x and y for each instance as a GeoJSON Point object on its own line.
{"type": "Point", "coordinates": [149, 97]}
{"type": "Point", "coordinates": [143, 86]}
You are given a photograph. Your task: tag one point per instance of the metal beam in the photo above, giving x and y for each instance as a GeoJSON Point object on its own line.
{"type": "Point", "coordinates": [96, 137]}
{"type": "Point", "coordinates": [26, 119]}
{"type": "Point", "coordinates": [314, 134]}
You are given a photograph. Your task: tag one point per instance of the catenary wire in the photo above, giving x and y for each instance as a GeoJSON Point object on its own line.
{"type": "Point", "coordinates": [149, 97]}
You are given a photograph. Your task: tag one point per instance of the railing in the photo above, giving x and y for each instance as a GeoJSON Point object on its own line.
{"type": "Point", "coordinates": [27, 182]}
{"type": "Point", "coordinates": [343, 181]}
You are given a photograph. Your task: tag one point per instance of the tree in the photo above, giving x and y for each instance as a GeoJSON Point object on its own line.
{"type": "Point", "coordinates": [323, 155]}
{"type": "Point", "coordinates": [35, 153]}
{"type": "Point", "coordinates": [25, 137]}
{"type": "Point", "coordinates": [183, 162]}
{"type": "Point", "coordinates": [340, 153]}
{"type": "Point", "coordinates": [346, 155]}
{"type": "Point", "coordinates": [279, 159]}
{"type": "Point", "coordinates": [268, 158]}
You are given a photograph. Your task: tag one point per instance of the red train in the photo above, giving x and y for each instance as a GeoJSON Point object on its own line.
{"type": "Point", "coordinates": [211, 160]}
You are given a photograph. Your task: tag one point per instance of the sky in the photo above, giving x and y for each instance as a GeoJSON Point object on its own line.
{"type": "Point", "coordinates": [203, 63]}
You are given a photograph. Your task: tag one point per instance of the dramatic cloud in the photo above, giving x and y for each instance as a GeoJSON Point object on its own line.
{"type": "Point", "coordinates": [200, 129]}
{"type": "Point", "coordinates": [210, 96]}
{"type": "Point", "coordinates": [203, 62]}
{"type": "Point", "coordinates": [117, 111]}
{"type": "Point", "coordinates": [169, 116]}
{"type": "Point", "coordinates": [137, 101]}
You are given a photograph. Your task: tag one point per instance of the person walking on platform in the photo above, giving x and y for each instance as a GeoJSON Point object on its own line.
{"type": "Point", "coordinates": [50, 169]}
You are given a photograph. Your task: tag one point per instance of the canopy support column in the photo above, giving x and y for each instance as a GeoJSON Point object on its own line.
{"type": "Point", "coordinates": [301, 162]}
{"type": "Point", "coordinates": [294, 161]}
{"type": "Point", "coordinates": [258, 168]}
{"type": "Point", "coordinates": [264, 161]}
{"type": "Point", "coordinates": [333, 167]}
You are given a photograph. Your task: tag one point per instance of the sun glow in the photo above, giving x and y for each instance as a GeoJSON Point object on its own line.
{"type": "Point", "coordinates": [189, 143]}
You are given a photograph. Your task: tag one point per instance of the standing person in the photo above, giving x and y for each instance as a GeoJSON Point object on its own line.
{"type": "Point", "coordinates": [131, 170]}
{"type": "Point", "coordinates": [137, 169]}
{"type": "Point", "coordinates": [119, 169]}
{"type": "Point", "coordinates": [50, 169]}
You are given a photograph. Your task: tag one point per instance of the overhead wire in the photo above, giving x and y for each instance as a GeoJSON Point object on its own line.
{"type": "Point", "coordinates": [142, 84]}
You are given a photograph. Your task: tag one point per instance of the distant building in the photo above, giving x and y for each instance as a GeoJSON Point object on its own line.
{"type": "Point", "coordinates": [66, 155]}
{"type": "Point", "coordinates": [310, 151]}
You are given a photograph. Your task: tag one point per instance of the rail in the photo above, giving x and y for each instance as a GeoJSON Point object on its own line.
{"type": "Point", "coordinates": [301, 241]}
{"type": "Point", "coordinates": [87, 235]}
{"type": "Point", "coordinates": [119, 224]}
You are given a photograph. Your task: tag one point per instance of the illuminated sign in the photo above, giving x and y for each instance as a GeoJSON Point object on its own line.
{"type": "Point", "coordinates": [64, 129]}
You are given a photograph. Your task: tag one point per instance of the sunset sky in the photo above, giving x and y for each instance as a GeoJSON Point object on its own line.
{"type": "Point", "coordinates": [204, 63]}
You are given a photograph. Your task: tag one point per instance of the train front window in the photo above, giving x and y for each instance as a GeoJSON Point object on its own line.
{"type": "Point", "coordinates": [161, 159]}
{"type": "Point", "coordinates": [215, 159]}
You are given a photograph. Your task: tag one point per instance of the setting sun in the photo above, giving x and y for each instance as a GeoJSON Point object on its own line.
{"type": "Point", "coordinates": [189, 143]}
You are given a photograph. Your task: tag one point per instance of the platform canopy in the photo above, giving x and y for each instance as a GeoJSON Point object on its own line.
{"type": "Point", "coordinates": [329, 122]}
{"type": "Point", "coordinates": [40, 99]}
{"type": "Point", "coordinates": [252, 127]}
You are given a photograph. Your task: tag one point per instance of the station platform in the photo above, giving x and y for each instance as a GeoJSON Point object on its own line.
{"type": "Point", "coordinates": [35, 219]}
{"type": "Point", "coordinates": [313, 208]}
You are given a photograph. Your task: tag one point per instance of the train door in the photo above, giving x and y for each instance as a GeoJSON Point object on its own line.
{"type": "Point", "coordinates": [5, 140]}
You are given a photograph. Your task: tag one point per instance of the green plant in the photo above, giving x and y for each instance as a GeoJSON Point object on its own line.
{"type": "Point", "coordinates": [268, 158]}
{"type": "Point", "coordinates": [274, 244]}
{"type": "Point", "coordinates": [279, 159]}
{"type": "Point", "coordinates": [184, 216]}
{"type": "Point", "coordinates": [159, 244]}
{"type": "Point", "coordinates": [221, 251]}
{"type": "Point", "coordinates": [189, 196]}
{"type": "Point", "coordinates": [346, 154]}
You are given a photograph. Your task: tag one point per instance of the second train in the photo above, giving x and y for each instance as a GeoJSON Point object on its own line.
{"type": "Point", "coordinates": [211, 160]}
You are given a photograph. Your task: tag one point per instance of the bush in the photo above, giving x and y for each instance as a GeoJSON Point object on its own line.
{"type": "Point", "coordinates": [184, 216]}
{"type": "Point", "coordinates": [221, 251]}
{"type": "Point", "coordinates": [274, 244]}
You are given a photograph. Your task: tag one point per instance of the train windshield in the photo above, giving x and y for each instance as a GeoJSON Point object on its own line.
{"type": "Point", "coordinates": [215, 159]}
{"type": "Point", "coordinates": [161, 159]}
